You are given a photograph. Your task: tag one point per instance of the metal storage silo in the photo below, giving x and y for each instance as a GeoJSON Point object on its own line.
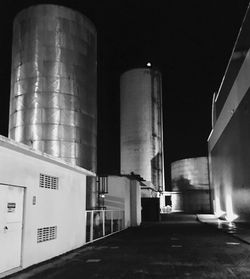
{"type": "Point", "coordinates": [141, 125]}
{"type": "Point", "coordinates": [53, 83]}
{"type": "Point", "coordinates": [191, 173]}
{"type": "Point", "coordinates": [189, 178]}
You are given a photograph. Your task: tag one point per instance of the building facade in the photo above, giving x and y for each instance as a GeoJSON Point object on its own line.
{"type": "Point", "coordinates": [40, 204]}
{"type": "Point", "coordinates": [124, 193]}
{"type": "Point", "coordinates": [228, 142]}
{"type": "Point", "coordinates": [48, 163]}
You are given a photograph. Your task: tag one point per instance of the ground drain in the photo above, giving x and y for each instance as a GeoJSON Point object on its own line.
{"type": "Point", "coordinates": [93, 260]}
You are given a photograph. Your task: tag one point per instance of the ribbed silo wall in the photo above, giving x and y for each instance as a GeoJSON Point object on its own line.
{"type": "Point", "coordinates": [191, 173]}
{"type": "Point", "coordinates": [189, 177]}
{"type": "Point", "coordinates": [53, 83]}
{"type": "Point", "coordinates": [141, 125]}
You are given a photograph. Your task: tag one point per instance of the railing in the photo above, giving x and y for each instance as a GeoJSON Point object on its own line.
{"type": "Point", "coordinates": [100, 223]}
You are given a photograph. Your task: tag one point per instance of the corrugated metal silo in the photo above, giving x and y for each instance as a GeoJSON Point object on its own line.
{"type": "Point", "coordinates": [141, 125]}
{"type": "Point", "coordinates": [53, 83]}
{"type": "Point", "coordinates": [191, 173]}
{"type": "Point", "coordinates": [189, 178]}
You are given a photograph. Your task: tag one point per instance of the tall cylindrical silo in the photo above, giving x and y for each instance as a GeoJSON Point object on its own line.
{"type": "Point", "coordinates": [53, 83]}
{"type": "Point", "coordinates": [141, 125]}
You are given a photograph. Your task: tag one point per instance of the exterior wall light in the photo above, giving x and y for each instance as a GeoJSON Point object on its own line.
{"type": "Point", "coordinates": [230, 216]}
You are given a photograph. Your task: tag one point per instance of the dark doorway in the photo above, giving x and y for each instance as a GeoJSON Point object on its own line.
{"type": "Point", "coordinates": [168, 201]}
{"type": "Point", "coordinates": [150, 209]}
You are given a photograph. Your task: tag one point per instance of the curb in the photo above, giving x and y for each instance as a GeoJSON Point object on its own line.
{"type": "Point", "coordinates": [224, 231]}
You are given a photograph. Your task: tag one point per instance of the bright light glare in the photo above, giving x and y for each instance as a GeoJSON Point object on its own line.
{"type": "Point", "coordinates": [218, 212]}
{"type": "Point", "coordinates": [219, 224]}
{"type": "Point", "coordinates": [149, 64]}
{"type": "Point", "coordinates": [230, 216]}
{"type": "Point", "coordinates": [232, 243]}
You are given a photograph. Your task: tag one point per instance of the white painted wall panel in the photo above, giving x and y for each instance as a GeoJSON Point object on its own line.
{"type": "Point", "coordinates": [118, 197]}
{"type": "Point", "coordinates": [64, 208]}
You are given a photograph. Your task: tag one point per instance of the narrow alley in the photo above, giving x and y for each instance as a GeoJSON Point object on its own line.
{"type": "Point", "coordinates": [179, 247]}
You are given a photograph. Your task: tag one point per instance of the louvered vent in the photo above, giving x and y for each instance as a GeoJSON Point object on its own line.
{"type": "Point", "coordinates": [46, 234]}
{"type": "Point", "coordinates": [49, 182]}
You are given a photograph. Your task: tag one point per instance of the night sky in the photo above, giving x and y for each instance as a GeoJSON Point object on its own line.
{"type": "Point", "coordinates": [190, 42]}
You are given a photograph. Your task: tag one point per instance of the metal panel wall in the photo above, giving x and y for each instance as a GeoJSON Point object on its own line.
{"type": "Point", "coordinates": [141, 125]}
{"type": "Point", "coordinates": [191, 173]}
{"type": "Point", "coordinates": [230, 164]}
{"type": "Point", "coordinates": [53, 83]}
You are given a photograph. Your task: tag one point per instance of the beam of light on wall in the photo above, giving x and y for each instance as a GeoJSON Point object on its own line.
{"type": "Point", "coordinates": [218, 212]}
{"type": "Point", "coordinates": [230, 216]}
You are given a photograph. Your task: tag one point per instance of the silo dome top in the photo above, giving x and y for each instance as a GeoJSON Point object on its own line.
{"type": "Point", "coordinates": [49, 9]}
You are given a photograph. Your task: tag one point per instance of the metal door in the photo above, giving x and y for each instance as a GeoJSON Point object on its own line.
{"type": "Point", "coordinates": [150, 209]}
{"type": "Point", "coordinates": [11, 212]}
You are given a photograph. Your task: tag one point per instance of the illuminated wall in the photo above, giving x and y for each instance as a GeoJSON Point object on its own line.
{"type": "Point", "coordinates": [62, 207]}
{"type": "Point", "coordinates": [142, 125]}
{"type": "Point", "coordinates": [230, 163]}
{"type": "Point", "coordinates": [124, 193]}
{"type": "Point", "coordinates": [53, 84]}
{"type": "Point", "coordinates": [228, 142]}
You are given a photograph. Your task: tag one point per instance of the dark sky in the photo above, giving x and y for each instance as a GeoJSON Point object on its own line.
{"type": "Point", "coordinates": [190, 42]}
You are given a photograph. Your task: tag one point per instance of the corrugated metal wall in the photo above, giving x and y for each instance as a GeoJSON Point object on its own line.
{"type": "Point", "coordinates": [141, 125]}
{"type": "Point", "coordinates": [230, 163]}
{"type": "Point", "coordinates": [191, 173]}
{"type": "Point", "coordinates": [189, 177]}
{"type": "Point", "coordinates": [53, 83]}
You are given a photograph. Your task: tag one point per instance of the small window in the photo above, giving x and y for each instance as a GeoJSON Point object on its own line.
{"type": "Point", "coordinates": [168, 201]}
{"type": "Point", "coordinates": [49, 182]}
{"type": "Point", "coordinates": [46, 234]}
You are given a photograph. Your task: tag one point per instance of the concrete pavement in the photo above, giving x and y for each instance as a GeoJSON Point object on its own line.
{"type": "Point", "coordinates": [178, 247]}
{"type": "Point", "coordinates": [238, 229]}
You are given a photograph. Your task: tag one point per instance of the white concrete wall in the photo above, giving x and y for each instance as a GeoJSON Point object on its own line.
{"type": "Point", "coordinates": [176, 199]}
{"type": "Point", "coordinates": [135, 203]}
{"type": "Point", "coordinates": [162, 198]}
{"type": "Point", "coordinates": [118, 197]}
{"type": "Point", "coordinates": [228, 146]}
{"type": "Point", "coordinates": [64, 208]}
{"type": "Point", "coordinates": [237, 93]}
{"type": "Point", "coordinates": [125, 194]}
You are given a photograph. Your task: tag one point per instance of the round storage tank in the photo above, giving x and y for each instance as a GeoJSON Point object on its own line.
{"type": "Point", "coordinates": [190, 179]}
{"type": "Point", "coordinates": [53, 83]}
{"type": "Point", "coordinates": [191, 173]}
{"type": "Point", "coordinates": [141, 125]}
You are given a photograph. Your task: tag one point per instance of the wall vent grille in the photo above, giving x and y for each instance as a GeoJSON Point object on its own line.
{"type": "Point", "coordinates": [46, 234]}
{"type": "Point", "coordinates": [49, 182]}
